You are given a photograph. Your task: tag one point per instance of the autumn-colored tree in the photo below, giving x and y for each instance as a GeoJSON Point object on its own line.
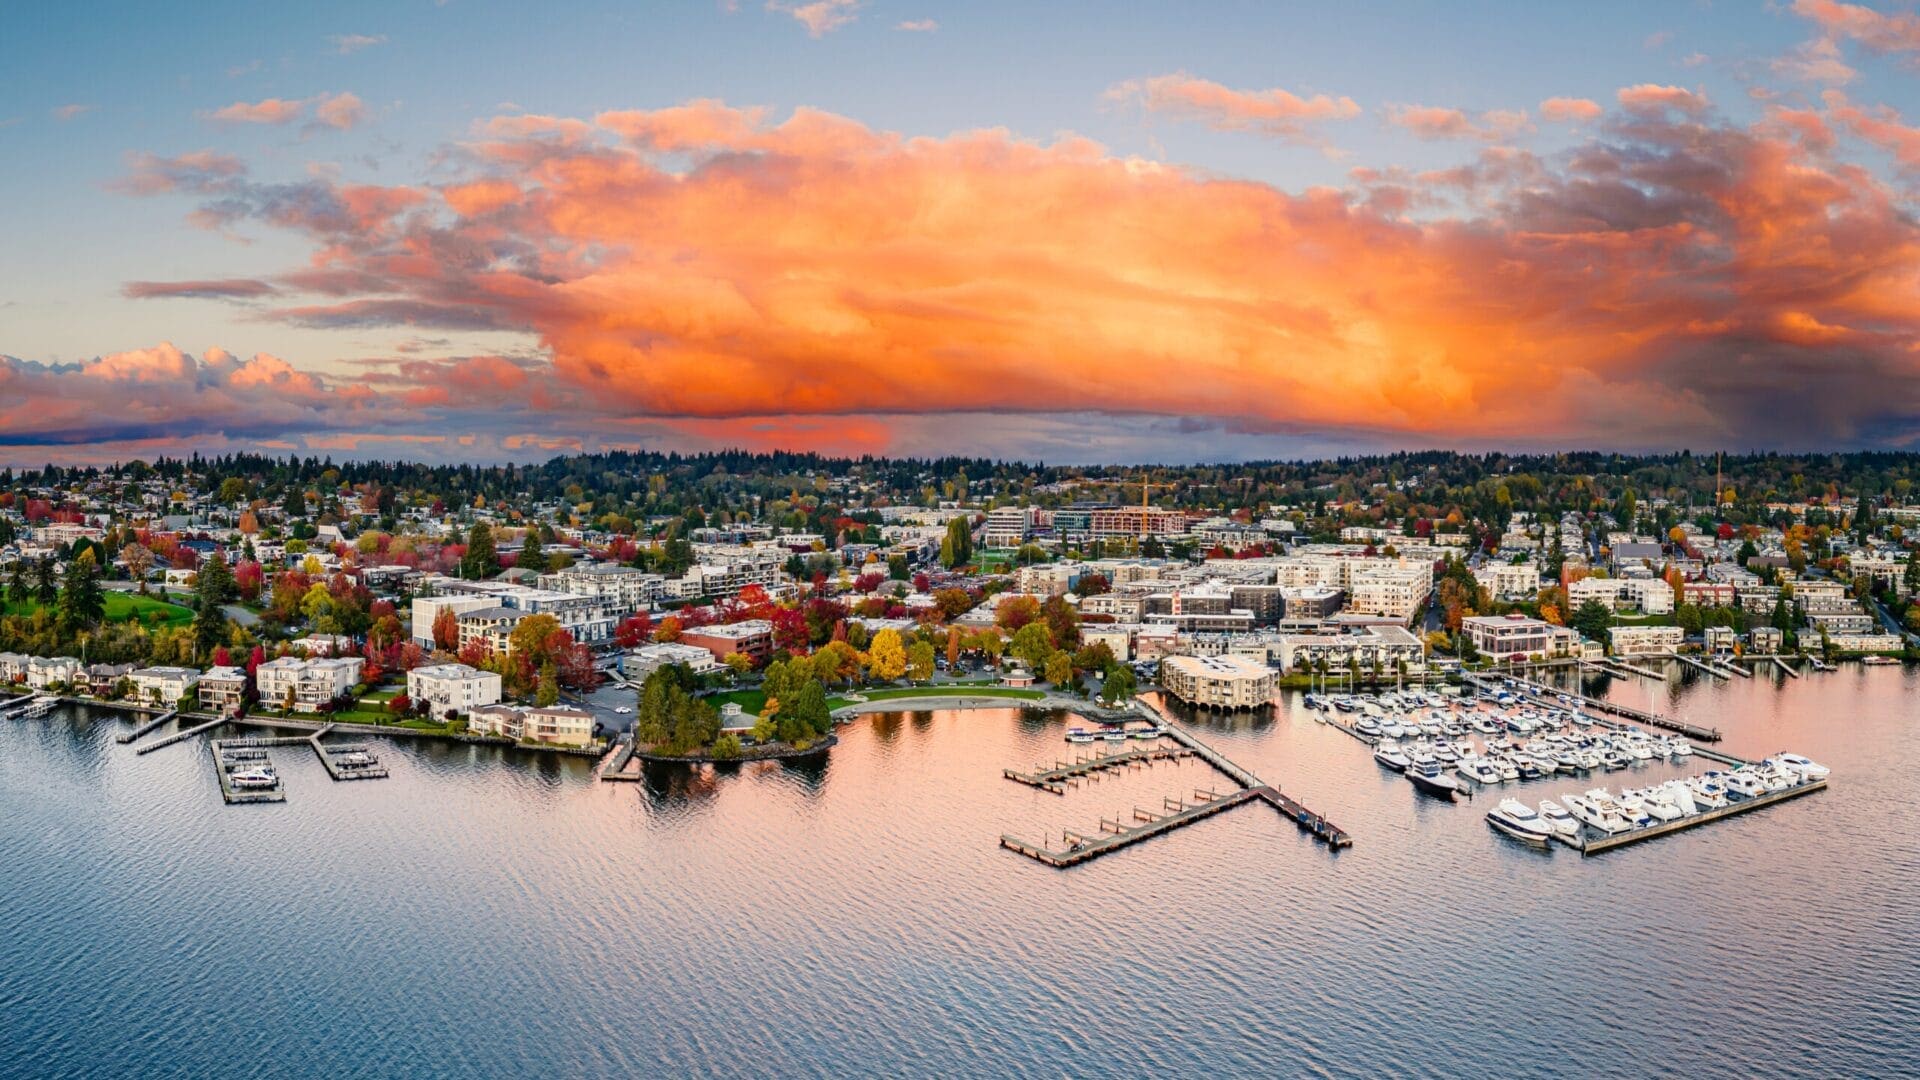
{"type": "Point", "coordinates": [633, 630]}
{"type": "Point", "coordinates": [139, 563]}
{"type": "Point", "coordinates": [248, 524]}
{"type": "Point", "coordinates": [669, 629]}
{"type": "Point", "coordinates": [1015, 612]}
{"type": "Point", "coordinates": [446, 630]}
{"type": "Point", "coordinates": [886, 656]}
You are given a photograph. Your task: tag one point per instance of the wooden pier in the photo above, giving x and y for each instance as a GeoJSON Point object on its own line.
{"type": "Point", "coordinates": [1115, 835]}
{"type": "Point", "coordinates": [147, 726]}
{"type": "Point", "coordinates": [1066, 773]}
{"type": "Point", "coordinates": [179, 736]}
{"type": "Point", "coordinates": [1589, 842]}
{"type": "Point", "coordinates": [17, 704]}
{"type": "Point", "coordinates": [616, 767]}
{"type": "Point", "coordinates": [1700, 664]}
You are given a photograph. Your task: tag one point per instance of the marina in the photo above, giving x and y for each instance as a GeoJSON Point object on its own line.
{"type": "Point", "coordinates": [1174, 813]}
{"type": "Point", "coordinates": [246, 773]}
{"type": "Point", "coordinates": [1592, 842]}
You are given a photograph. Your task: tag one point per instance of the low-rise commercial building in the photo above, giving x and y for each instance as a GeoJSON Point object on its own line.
{"type": "Point", "coordinates": [752, 638]}
{"type": "Point", "coordinates": [1508, 637]}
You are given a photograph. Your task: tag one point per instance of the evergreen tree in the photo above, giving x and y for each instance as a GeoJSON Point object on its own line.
{"type": "Point", "coordinates": [214, 582]}
{"type": "Point", "coordinates": [82, 603]}
{"type": "Point", "coordinates": [956, 549]}
{"type": "Point", "coordinates": [532, 555]}
{"type": "Point", "coordinates": [549, 689]}
{"type": "Point", "coordinates": [17, 588]}
{"type": "Point", "coordinates": [481, 560]}
{"type": "Point", "coordinates": [44, 589]}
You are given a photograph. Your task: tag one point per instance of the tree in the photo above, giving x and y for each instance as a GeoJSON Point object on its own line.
{"type": "Point", "coordinates": [82, 604]}
{"type": "Point", "coordinates": [209, 627]}
{"type": "Point", "coordinates": [533, 555]}
{"type": "Point", "coordinates": [1119, 685]}
{"type": "Point", "coordinates": [446, 630]}
{"type": "Point", "coordinates": [44, 589]}
{"type": "Point", "coordinates": [1015, 612]}
{"type": "Point", "coordinates": [549, 688]}
{"type": "Point", "coordinates": [1033, 645]}
{"type": "Point", "coordinates": [139, 562]}
{"type": "Point", "coordinates": [920, 661]}
{"type": "Point", "coordinates": [886, 656]}
{"type": "Point", "coordinates": [480, 560]}
{"type": "Point", "coordinates": [214, 582]}
{"type": "Point", "coordinates": [1059, 668]}
{"type": "Point", "coordinates": [738, 663]}
{"type": "Point", "coordinates": [1592, 619]}
{"type": "Point", "coordinates": [956, 548]}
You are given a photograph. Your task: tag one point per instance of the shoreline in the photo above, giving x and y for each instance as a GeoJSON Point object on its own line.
{"type": "Point", "coordinates": [786, 753]}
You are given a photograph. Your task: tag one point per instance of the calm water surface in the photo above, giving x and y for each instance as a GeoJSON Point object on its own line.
{"type": "Point", "coordinates": [488, 913]}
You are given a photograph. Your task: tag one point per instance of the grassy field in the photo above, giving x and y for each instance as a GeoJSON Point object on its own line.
{"type": "Point", "coordinates": [750, 701]}
{"type": "Point", "coordinates": [938, 692]}
{"type": "Point", "coordinates": [123, 606]}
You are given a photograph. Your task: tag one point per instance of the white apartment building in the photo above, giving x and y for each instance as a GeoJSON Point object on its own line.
{"type": "Point", "coordinates": [1651, 595]}
{"type": "Point", "coordinates": [452, 688]}
{"type": "Point", "coordinates": [1509, 581]}
{"type": "Point", "coordinates": [1379, 648]}
{"type": "Point", "coordinates": [44, 671]}
{"type": "Point", "coordinates": [1645, 640]}
{"type": "Point", "coordinates": [1219, 682]}
{"type": "Point", "coordinates": [621, 590]}
{"type": "Point", "coordinates": [1393, 592]}
{"type": "Point", "coordinates": [307, 683]}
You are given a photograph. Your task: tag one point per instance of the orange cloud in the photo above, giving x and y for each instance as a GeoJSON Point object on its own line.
{"type": "Point", "coordinates": [1274, 112]}
{"type": "Point", "coordinates": [1679, 283]}
{"type": "Point", "coordinates": [1649, 99]}
{"type": "Point", "coordinates": [820, 17]}
{"type": "Point", "coordinates": [338, 111]}
{"type": "Point", "coordinates": [1876, 30]}
{"type": "Point", "coordinates": [1433, 122]}
{"type": "Point", "coordinates": [1570, 110]}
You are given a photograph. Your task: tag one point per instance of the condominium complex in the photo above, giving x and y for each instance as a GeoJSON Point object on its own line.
{"type": "Point", "coordinates": [1218, 682]}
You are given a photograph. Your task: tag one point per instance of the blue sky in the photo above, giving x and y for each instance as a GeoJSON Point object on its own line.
{"type": "Point", "coordinates": [146, 79]}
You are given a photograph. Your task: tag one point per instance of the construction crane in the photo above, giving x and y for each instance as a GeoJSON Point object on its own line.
{"type": "Point", "coordinates": [1145, 485]}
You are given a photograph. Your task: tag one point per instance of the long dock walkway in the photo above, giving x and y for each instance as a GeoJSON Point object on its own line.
{"type": "Point", "coordinates": [1116, 836]}
{"type": "Point", "coordinates": [1064, 773]}
{"type": "Point", "coordinates": [1639, 716]}
{"type": "Point", "coordinates": [1314, 823]}
{"type": "Point", "coordinates": [146, 726]}
{"type": "Point", "coordinates": [616, 766]}
{"type": "Point", "coordinates": [12, 705]}
{"type": "Point", "coordinates": [179, 736]}
{"type": "Point", "coordinates": [1591, 843]}
{"type": "Point", "coordinates": [1703, 666]}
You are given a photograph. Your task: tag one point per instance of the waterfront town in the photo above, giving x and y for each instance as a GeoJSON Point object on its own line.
{"type": "Point", "coordinates": [742, 599]}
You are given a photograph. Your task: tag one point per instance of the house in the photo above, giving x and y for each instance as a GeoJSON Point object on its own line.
{"type": "Point", "coordinates": [44, 671]}
{"type": "Point", "coordinates": [1719, 639]}
{"type": "Point", "coordinates": [554, 725]}
{"type": "Point", "coordinates": [163, 685]}
{"type": "Point", "coordinates": [309, 684]}
{"type": "Point", "coordinates": [102, 678]}
{"type": "Point", "coordinates": [1765, 639]}
{"type": "Point", "coordinates": [449, 689]}
{"type": "Point", "coordinates": [223, 689]}
{"type": "Point", "coordinates": [13, 667]}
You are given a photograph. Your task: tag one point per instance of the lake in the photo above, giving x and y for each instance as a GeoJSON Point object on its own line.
{"type": "Point", "coordinates": [486, 912]}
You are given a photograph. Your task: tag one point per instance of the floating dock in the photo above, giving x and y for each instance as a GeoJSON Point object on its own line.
{"type": "Point", "coordinates": [348, 761]}
{"type": "Point", "coordinates": [616, 767]}
{"type": "Point", "coordinates": [1590, 842]}
{"type": "Point", "coordinates": [229, 758]}
{"type": "Point", "coordinates": [1065, 773]}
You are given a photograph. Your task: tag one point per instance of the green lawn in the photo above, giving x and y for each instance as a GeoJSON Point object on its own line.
{"type": "Point", "coordinates": [939, 691]}
{"type": "Point", "coordinates": [123, 606]}
{"type": "Point", "coordinates": [750, 701]}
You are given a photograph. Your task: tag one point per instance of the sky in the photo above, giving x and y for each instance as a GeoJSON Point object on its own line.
{"type": "Point", "coordinates": [1055, 232]}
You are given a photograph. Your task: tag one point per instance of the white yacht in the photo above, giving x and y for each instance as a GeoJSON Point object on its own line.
{"type": "Point", "coordinates": [1744, 783]}
{"type": "Point", "coordinates": [1606, 819]}
{"type": "Point", "coordinates": [1708, 794]}
{"type": "Point", "coordinates": [1812, 770]}
{"type": "Point", "coordinates": [1389, 754]}
{"type": "Point", "coordinates": [257, 777]}
{"type": "Point", "coordinates": [1479, 770]}
{"type": "Point", "coordinates": [1520, 821]}
{"type": "Point", "coordinates": [1557, 819]}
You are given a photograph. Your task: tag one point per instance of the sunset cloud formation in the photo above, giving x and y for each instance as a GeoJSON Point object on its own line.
{"type": "Point", "coordinates": [338, 111]}
{"type": "Point", "coordinates": [1673, 281]}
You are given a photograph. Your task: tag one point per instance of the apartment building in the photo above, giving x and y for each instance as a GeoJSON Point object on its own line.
{"type": "Point", "coordinates": [1006, 526]}
{"type": "Point", "coordinates": [449, 689]}
{"type": "Point", "coordinates": [1218, 682]}
{"type": "Point", "coordinates": [308, 684]}
{"type": "Point", "coordinates": [1644, 640]}
{"type": "Point", "coordinates": [1509, 581]}
{"type": "Point", "coordinates": [553, 725]}
{"type": "Point", "coordinates": [1505, 637]}
{"type": "Point", "coordinates": [163, 684]}
{"type": "Point", "coordinates": [1350, 648]}
{"type": "Point", "coordinates": [223, 689]}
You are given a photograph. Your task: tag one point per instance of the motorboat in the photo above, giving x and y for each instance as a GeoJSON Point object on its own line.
{"type": "Point", "coordinates": [1392, 756]}
{"type": "Point", "coordinates": [1520, 821]}
{"type": "Point", "coordinates": [1745, 784]}
{"type": "Point", "coordinates": [1613, 759]}
{"type": "Point", "coordinates": [255, 778]}
{"type": "Point", "coordinates": [1556, 818]}
{"type": "Point", "coordinates": [1079, 736]}
{"type": "Point", "coordinates": [1662, 808]}
{"type": "Point", "coordinates": [1812, 770]}
{"type": "Point", "coordinates": [1707, 794]}
{"type": "Point", "coordinates": [1153, 732]}
{"type": "Point", "coordinates": [1528, 768]}
{"type": "Point", "coordinates": [1605, 818]}
{"type": "Point", "coordinates": [1479, 770]}
{"type": "Point", "coordinates": [1426, 774]}
{"type": "Point", "coordinates": [1114, 735]}
{"type": "Point", "coordinates": [1508, 770]}
{"type": "Point", "coordinates": [1681, 796]}
{"type": "Point", "coordinates": [1367, 726]}
{"type": "Point", "coordinates": [1680, 747]}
